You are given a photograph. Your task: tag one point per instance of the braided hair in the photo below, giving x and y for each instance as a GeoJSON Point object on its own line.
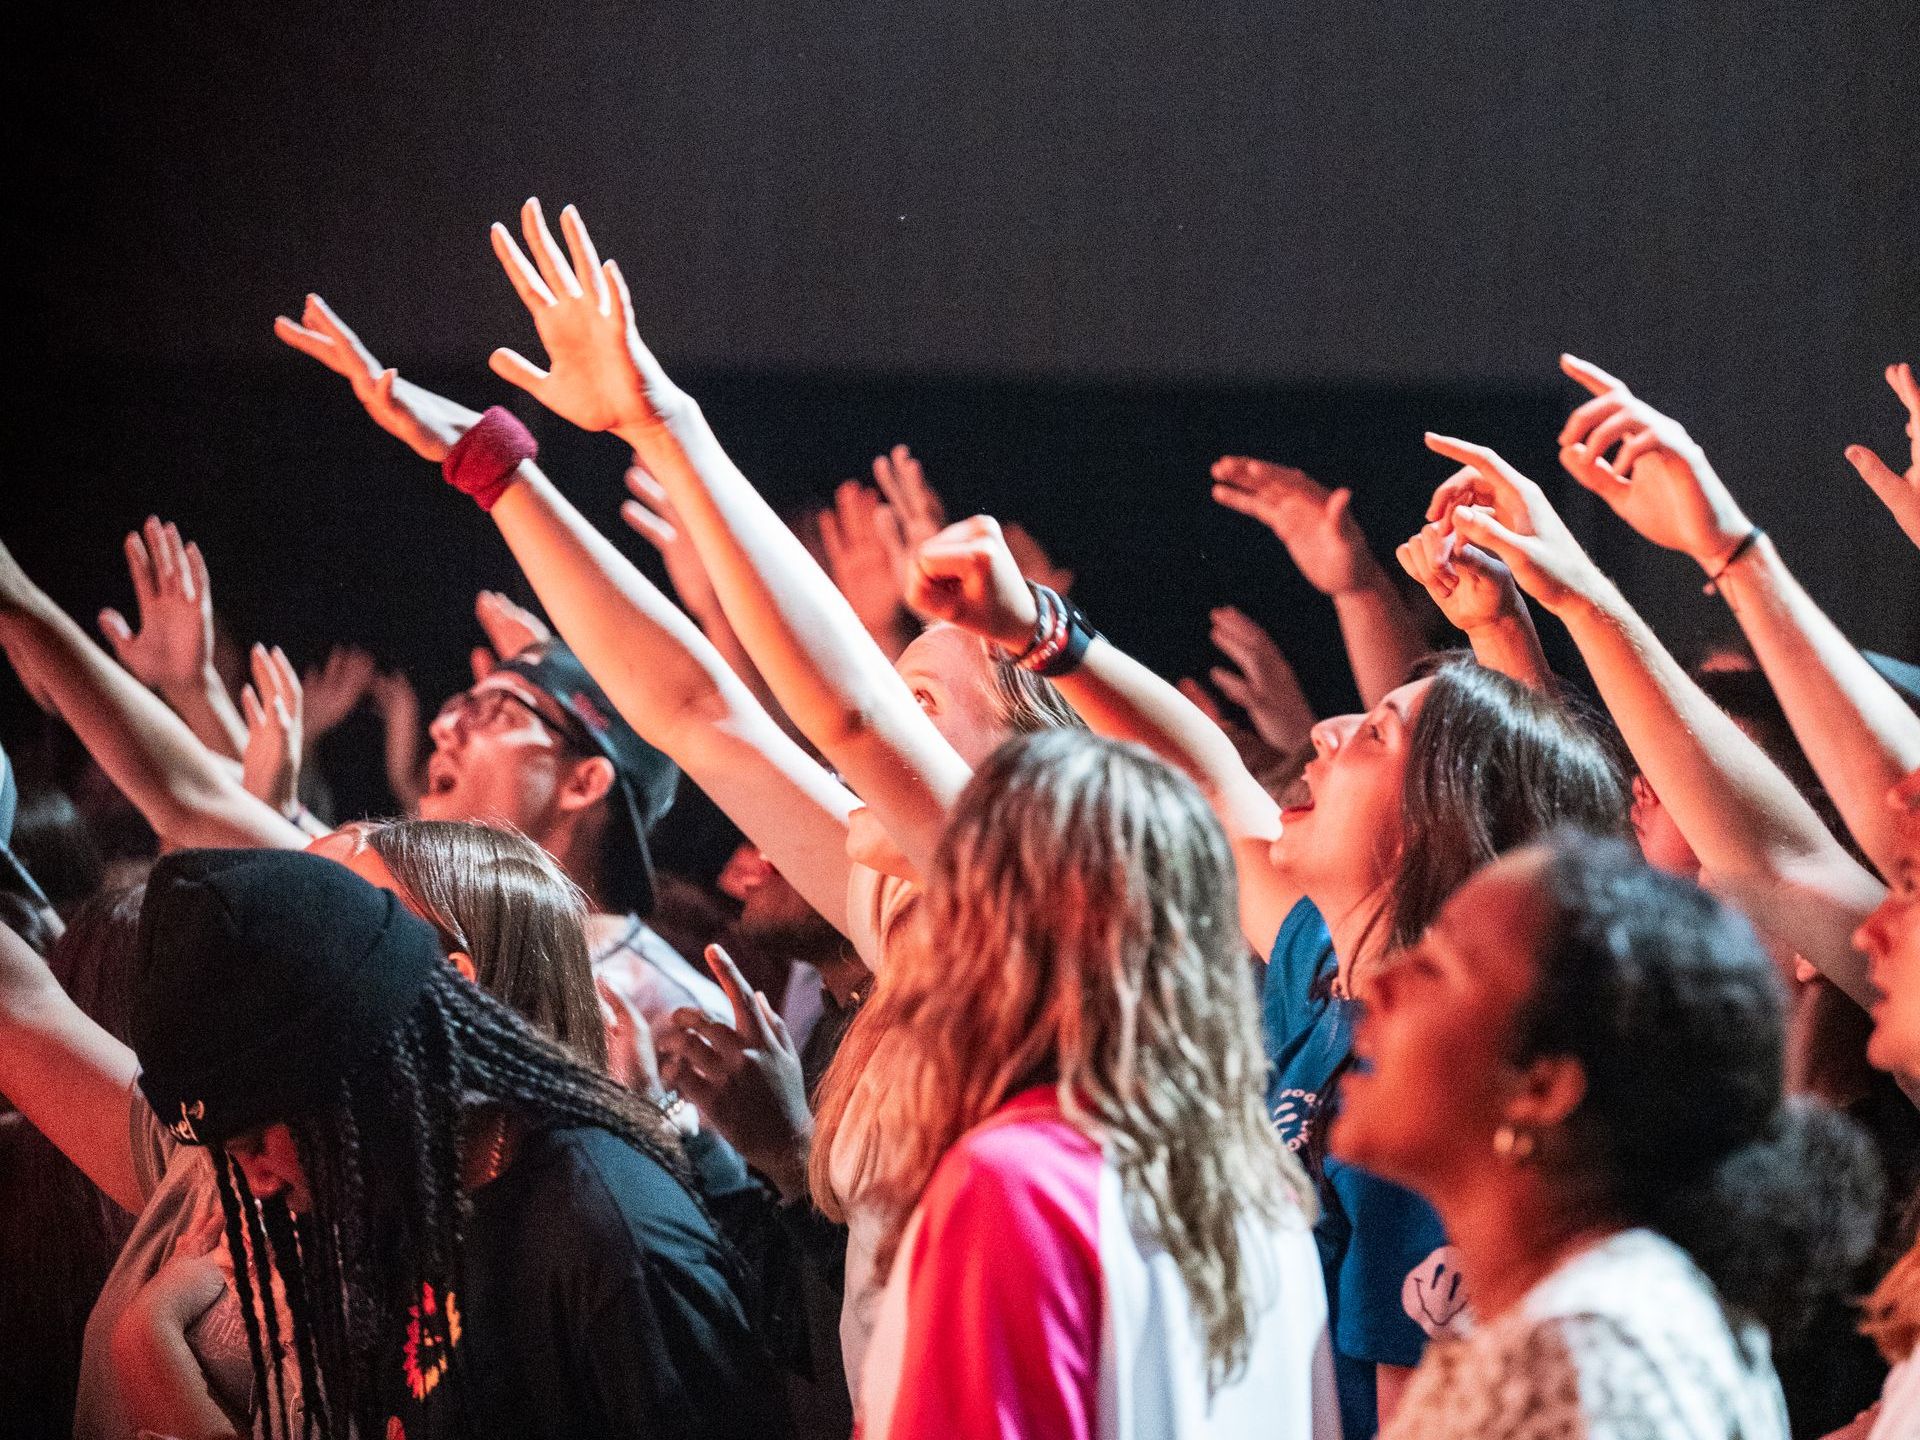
{"type": "Point", "coordinates": [389, 1207]}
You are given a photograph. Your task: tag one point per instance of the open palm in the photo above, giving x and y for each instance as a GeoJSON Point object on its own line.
{"type": "Point", "coordinates": [601, 375]}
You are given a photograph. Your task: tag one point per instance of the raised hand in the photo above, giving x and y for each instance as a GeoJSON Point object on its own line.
{"type": "Point", "coordinates": [966, 575]}
{"type": "Point", "coordinates": [1274, 768]}
{"type": "Point", "coordinates": [1658, 480]}
{"type": "Point", "coordinates": [867, 555]}
{"type": "Point", "coordinates": [745, 1079]}
{"type": "Point", "coordinates": [650, 514]}
{"type": "Point", "coordinates": [271, 704]}
{"type": "Point", "coordinates": [1472, 588]}
{"type": "Point", "coordinates": [914, 503]}
{"type": "Point", "coordinates": [1264, 685]}
{"type": "Point", "coordinates": [1314, 523]}
{"type": "Point", "coordinates": [510, 628]}
{"type": "Point", "coordinates": [173, 649]}
{"type": "Point", "coordinates": [428, 423]}
{"type": "Point", "coordinates": [1492, 505]}
{"type": "Point", "coordinates": [332, 690]}
{"type": "Point", "coordinates": [1899, 493]}
{"type": "Point", "coordinates": [602, 375]}
{"type": "Point", "coordinates": [398, 705]}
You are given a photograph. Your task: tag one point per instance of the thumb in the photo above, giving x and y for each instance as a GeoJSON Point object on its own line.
{"type": "Point", "coordinates": [119, 634]}
{"type": "Point", "coordinates": [1478, 527]}
{"type": "Point", "coordinates": [1592, 472]}
{"type": "Point", "coordinates": [483, 661]}
{"type": "Point", "coordinates": [1340, 507]}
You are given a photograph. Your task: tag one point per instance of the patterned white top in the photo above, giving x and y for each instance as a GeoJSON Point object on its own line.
{"type": "Point", "coordinates": [1625, 1341]}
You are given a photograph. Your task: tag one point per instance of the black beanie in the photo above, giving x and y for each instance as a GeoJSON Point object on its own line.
{"type": "Point", "coordinates": [264, 978]}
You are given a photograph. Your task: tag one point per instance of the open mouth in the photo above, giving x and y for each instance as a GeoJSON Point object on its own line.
{"type": "Point", "coordinates": [1297, 799]}
{"type": "Point", "coordinates": [440, 776]}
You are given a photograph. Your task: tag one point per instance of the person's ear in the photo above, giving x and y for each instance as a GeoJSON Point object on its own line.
{"type": "Point", "coordinates": [587, 783]}
{"type": "Point", "coordinates": [1550, 1089]}
{"type": "Point", "coordinates": [463, 962]}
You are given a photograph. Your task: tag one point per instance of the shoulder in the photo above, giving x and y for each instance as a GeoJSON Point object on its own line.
{"type": "Point", "coordinates": [601, 1196]}
{"type": "Point", "coordinates": [1026, 1175]}
{"type": "Point", "coordinates": [876, 903]}
{"type": "Point", "coordinates": [1302, 953]}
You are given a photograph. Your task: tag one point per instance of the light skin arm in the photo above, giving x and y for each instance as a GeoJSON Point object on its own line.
{"type": "Point", "coordinates": [1317, 527]}
{"type": "Point", "coordinates": [69, 1077]}
{"type": "Point", "coordinates": [187, 794]}
{"type": "Point", "coordinates": [1477, 595]}
{"type": "Point", "coordinates": [966, 575]}
{"type": "Point", "coordinates": [822, 666]}
{"type": "Point", "coordinates": [657, 668]}
{"type": "Point", "coordinates": [650, 515]}
{"type": "Point", "coordinates": [1743, 818]}
{"type": "Point", "coordinates": [1856, 731]}
{"type": "Point", "coordinates": [173, 650]}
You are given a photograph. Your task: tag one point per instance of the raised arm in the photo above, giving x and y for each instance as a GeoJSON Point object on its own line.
{"type": "Point", "coordinates": [172, 651]}
{"type": "Point", "coordinates": [187, 794]}
{"type": "Point", "coordinates": [1743, 818]}
{"type": "Point", "coordinates": [649, 513]}
{"type": "Point", "coordinates": [1857, 732]}
{"type": "Point", "coordinates": [823, 667]}
{"type": "Point", "coordinates": [966, 575]}
{"type": "Point", "coordinates": [1477, 595]}
{"type": "Point", "coordinates": [662, 674]}
{"type": "Point", "coordinates": [70, 1078]}
{"type": "Point", "coordinates": [1317, 527]}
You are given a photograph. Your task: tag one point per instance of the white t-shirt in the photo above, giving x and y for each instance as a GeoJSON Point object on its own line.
{"type": "Point", "coordinates": [1899, 1417]}
{"type": "Point", "coordinates": [1625, 1341]}
{"type": "Point", "coordinates": [1024, 1301]}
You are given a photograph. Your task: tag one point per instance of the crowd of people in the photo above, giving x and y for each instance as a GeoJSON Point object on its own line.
{"type": "Point", "coordinates": [1064, 1051]}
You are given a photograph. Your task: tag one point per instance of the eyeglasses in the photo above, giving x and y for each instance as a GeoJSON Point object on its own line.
{"type": "Point", "coordinates": [482, 709]}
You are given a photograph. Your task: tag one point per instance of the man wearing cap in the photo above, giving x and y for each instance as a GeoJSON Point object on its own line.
{"type": "Point", "coordinates": [536, 745]}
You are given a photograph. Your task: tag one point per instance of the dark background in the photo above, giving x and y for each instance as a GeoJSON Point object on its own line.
{"type": "Point", "coordinates": [1069, 252]}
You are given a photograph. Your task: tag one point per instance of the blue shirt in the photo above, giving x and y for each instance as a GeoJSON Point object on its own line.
{"type": "Point", "coordinates": [1391, 1279]}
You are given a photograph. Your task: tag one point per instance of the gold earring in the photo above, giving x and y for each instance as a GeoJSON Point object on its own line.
{"type": "Point", "coordinates": [1511, 1142]}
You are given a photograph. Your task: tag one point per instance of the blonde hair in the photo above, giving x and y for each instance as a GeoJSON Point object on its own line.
{"type": "Point", "coordinates": [1079, 930]}
{"type": "Point", "coordinates": [1892, 1312]}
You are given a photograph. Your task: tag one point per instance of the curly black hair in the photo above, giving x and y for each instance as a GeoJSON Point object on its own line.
{"type": "Point", "coordinates": [389, 1211]}
{"type": "Point", "coordinates": [1677, 1016]}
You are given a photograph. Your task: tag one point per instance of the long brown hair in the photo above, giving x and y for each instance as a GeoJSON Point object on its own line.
{"type": "Point", "coordinates": [1491, 765]}
{"type": "Point", "coordinates": [1079, 930]}
{"type": "Point", "coordinates": [507, 903]}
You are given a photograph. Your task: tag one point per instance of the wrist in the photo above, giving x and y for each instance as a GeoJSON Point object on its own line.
{"type": "Point", "coordinates": [1013, 629]}
{"type": "Point", "coordinates": [1727, 538]}
{"type": "Point", "coordinates": [1368, 581]}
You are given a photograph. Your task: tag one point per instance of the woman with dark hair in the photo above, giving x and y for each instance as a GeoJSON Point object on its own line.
{"type": "Point", "coordinates": [1106, 1238]}
{"type": "Point", "coordinates": [1397, 807]}
{"type": "Point", "coordinates": [474, 1234]}
{"type": "Point", "coordinates": [1581, 1064]}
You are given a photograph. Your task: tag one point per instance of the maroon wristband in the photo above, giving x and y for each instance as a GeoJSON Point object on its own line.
{"type": "Point", "coordinates": [482, 461]}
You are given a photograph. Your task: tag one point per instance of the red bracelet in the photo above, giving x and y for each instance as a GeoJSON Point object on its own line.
{"type": "Point", "coordinates": [482, 461]}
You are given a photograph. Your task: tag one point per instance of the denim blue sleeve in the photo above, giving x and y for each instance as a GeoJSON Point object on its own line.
{"type": "Point", "coordinates": [1300, 951]}
{"type": "Point", "coordinates": [1397, 1280]}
